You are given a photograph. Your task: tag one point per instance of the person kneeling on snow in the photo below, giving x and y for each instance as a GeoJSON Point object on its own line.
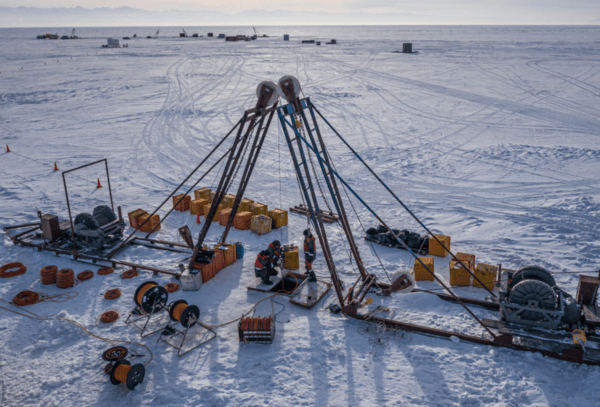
{"type": "Point", "coordinates": [310, 253]}
{"type": "Point", "coordinates": [275, 252]}
{"type": "Point", "coordinates": [263, 267]}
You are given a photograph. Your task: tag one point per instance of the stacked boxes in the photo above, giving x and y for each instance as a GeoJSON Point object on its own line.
{"type": "Point", "coordinates": [291, 259]}
{"type": "Point", "coordinates": [467, 259]}
{"type": "Point", "coordinates": [134, 217]}
{"type": "Point", "coordinates": [224, 216]}
{"type": "Point", "coordinates": [197, 206]}
{"type": "Point", "coordinates": [434, 247]}
{"type": "Point", "coordinates": [212, 196]}
{"type": "Point", "coordinates": [216, 217]}
{"type": "Point", "coordinates": [228, 201]}
{"type": "Point", "coordinates": [261, 224]}
{"type": "Point", "coordinates": [210, 270]}
{"type": "Point", "coordinates": [184, 205]}
{"type": "Point", "coordinates": [421, 273]}
{"type": "Point", "coordinates": [242, 220]}
{"type": "Point", "coordinates": [258, 208]}
{"type": "Point", "coordinates": [487, 274]}
{"type": "Point", "coordinates": [279, 216]}
{"type": "Point", "coordinates": [202, 193]}
{"type": "Point", "coordinates": [154, 222]}
{"type": "Point", "coordinates": [458, 275]}
{"type": "Point", "coordinates": [245, 205]}
{"type": "Point", "coordinates": [229, 253]}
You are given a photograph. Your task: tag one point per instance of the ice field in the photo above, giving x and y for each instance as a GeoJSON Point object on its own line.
{"type": "Point", "coordinates": [491, 135]}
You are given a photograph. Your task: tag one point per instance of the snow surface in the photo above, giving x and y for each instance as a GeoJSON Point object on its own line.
{"type": "Point", "coordinates": [490, 134]}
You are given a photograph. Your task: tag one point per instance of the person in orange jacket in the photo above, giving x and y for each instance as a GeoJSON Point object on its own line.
{"type": "Point", "coordinates": [263, 267]}
{"type": "Point", "coordinates": [310, 253]}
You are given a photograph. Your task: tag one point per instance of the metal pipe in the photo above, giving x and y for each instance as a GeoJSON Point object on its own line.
{"type": "Point", "coordinates": [109, 188]}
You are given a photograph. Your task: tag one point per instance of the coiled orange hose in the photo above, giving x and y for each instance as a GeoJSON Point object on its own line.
{"type": "Point", "coordinates": [171, 287]}
{"type": "Point", "coordinates": [65, 278]}
{"type": "Point", "coordinates": [26, 298]}
{"type": "Point", "coordinates": [21, 269]}
{"type": "Point", "coordinates": [129, 273]}
{"type": "Point", "coordinates": [85, 275]}
{"type": "Point", "coordinates": [105, 270]}
{"type": "Point", "coordinates": [48, 275]}
{"type": "Point", "coordinates": [112, 294]}
{"type": "Point", "coordinates": [109, 316]}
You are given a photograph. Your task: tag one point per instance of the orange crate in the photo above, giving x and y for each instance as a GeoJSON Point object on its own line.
{"type": "Point", "coordinates": [458, 275]}
{"type": "Point", "coordinates": [224, 216]}
{"type": "Point", "coordinates": [197, 206]}
{"type": "Point", "coordinates": [202, 193]}
{"type": "Point", "coordinates": [487, 274]}
{"type": "Point", "coordinates": [258, 208]}
{"type": "Point", "coordinates": [212, 196]}
{"type": "Point", "coordinates": [184, 205]}
{"type": "Point", "coordinates": [134, 216]}
{"type": "Point", "coordinates": [219, 209]}
{"type": "Point", "coordinates": [260, 224]}
{"type": "Point", "coordinates": [154, 221]}
{"type": "Point", "coordinates": [228, 251]}
{"type": "Point", "coordinates": [245, 205]}
{"type": "Point", "coordinates": [434, 247]}
{"type": "Point", "coordinates": [219, 261]}
{"type": "Point", "coordinates": [421, 273]}
{"type": "Point", "coordinates": [242, 220]}
{"type": "Point", "coordinates": [279, 216]}
{"type": "Point", "coordinates": [228, 201]}
{"type": "Point", "coordinates": [467, 259]}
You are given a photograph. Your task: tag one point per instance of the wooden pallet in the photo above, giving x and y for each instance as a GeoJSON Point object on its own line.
{"type": "Point", "coordinates": [327, 216]}
{"type": "Point", "coordinates": [417, 251]}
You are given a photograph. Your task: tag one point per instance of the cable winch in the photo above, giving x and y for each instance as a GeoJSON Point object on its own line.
{"type": "Point", "coordinates": [150, 299]}
{"type": "Point", "coordinates": [123, 372]}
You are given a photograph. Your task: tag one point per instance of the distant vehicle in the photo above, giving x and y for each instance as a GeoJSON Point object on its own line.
{"type": "Point", "coordinates": [183, 34]}
{"type": "Point", "coordinates": [149, 36]}
{"type": "Point", "coordinates": [64, 37]}
{"type": "Point", "coordinates": [126, 38]}
{"type": "Point", "coordinates": [195, 35]}
{"type": "Point", "coordinates": [112, 43]}
{"type": "Point", "coordinates": [221, 35]}
{"type": "Point", "coordinates": [41, 37]}
{"type": "Point", "coordinates": [134, 35]}
{"type": "Point", "coordinates": [52, 36]}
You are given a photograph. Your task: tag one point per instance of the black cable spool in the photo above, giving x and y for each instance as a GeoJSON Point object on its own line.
{"type": "Point", "coordinates": [154, 298]}
{"type": "Point", "coordinates": [189, 312]}
{"type": "Point", "coordinates": [135, 376]}
{"type": "Point", "coordinates": [114, 354]}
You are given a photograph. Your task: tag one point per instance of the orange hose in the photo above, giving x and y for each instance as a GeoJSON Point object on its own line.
{"type": "Point", "coordinates": [26, 298]}
{"type": "Point", "coordinates": [171, 287]}
{"type": "Point", "coordinates": [109, 316]}
{"type": "Point", "coordinates": [105, 270]}
{"type": "Point", "coordinates": [48, 274]}
{"type": "Point", "coordinates": [129, 273]}
{"type": "Point", "coordinates": [143, 291]}
{"type": "Point", "coordinates": [112, 294]}
{"type": "Point", "coordinates": [21, 269]}
{"type": "Point", "coordinates": [85, 275]}
{"type": "Point", "coordinates": [121, 373]}
{"type": "Point", "coordinates": [179, 310]}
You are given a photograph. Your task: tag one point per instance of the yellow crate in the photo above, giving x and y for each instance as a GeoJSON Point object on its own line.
{"type": "Point", "coordinates": [467, 259]}
{"type": "Point", "coordinates": [228, 201]}
{"type": "Point", "coordinates": [291, 259]}
{"type": "Point", "coordinates": [279, 216]}
{"type": "Point", "coordinates": [421, 273]}
{"type": "Point", "coordinates": [487, 274]}
{"type": "Point", "coordinates": [258, 208]}
{"type": "Point", "coordinates": [149, 226]}
{"type": "Point", "coordinates": [134, 217]}
{"type": "Point", "coordinates": [183, 205]}
{"type": "Point", "coordinates": [261, 224]}
{"type": "Point", "coordinates": [207, 209]}
{"type": "Point", "coordinates": [245, 205]}
{"type": "Point", "coordinates": [197, 206]}
{"type": "Point", "coordinates": [458, 275]}
{"type": "Point", "coordinates": [212, 197]}
{"type": "Point", "coordinates": [434, 247]}
{"type": "Point", "coordinates": [224, 216]}
{"type": "Point", "coordinates": [202, 193]}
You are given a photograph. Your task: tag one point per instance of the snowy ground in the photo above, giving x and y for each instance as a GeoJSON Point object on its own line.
{"type": "Point", "coordinates": [490, 134]}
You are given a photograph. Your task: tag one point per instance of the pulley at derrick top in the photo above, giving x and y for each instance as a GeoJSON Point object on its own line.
{"type": "Point", "coordinates": [289, 88]}
{"type": "Point", "coordinates": [266, 93]}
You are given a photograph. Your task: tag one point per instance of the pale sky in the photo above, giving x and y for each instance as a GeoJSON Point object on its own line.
{"type": "Point", "coordinates": [584, 11]}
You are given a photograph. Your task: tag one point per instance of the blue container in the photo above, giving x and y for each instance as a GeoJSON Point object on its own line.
{"type": "Point", "coordinates": [239, 250]}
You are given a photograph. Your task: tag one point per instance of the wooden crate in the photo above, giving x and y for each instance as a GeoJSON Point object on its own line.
{"type": "Point", "coordinates": [212, 196]}
{"type": "Point", "coordinates": [258, 208]}
{"type": "Point", "coordinates": [467, 259]}
{"type": "Point", "coordinates": [434, 247]}
{"type": "Point", "coordinates": [279, 216]}
{"type": "Point", "coordinates": [219, 260]}
{"type": "Point", "coordinates": [202, 193]}
{"type": "Point", "coordinates": [459, 276]}
{"type": "Point", "coordinates": [197, 206]}
{"type": "Point", "coordinates": [184, 205]}
{"type": "Point", "coordinates": [261, 224]}
{"type": "Point", "coordinates": [149, 226]}
{"type": "Point", "coordinates": [421, 273]}
{"type": "Point", "coordinates": [245, 205]}
{"type": "Point", "coordinates": [242, 220]}
{"type": "Point", "coordinates": [291, 259]}
{"type": "Point", "coordinates": [134, 216]}
{"type": "Point", "coordinates": [207, 209]}
{"type": "Point", "coordinates": [228, 201]}
{"type": "Point", "coordinates": [487, 274]}
{"type": "Point", "coordinates": [224, 216]}
{"type": "Point", "coordinates": [229, 253]}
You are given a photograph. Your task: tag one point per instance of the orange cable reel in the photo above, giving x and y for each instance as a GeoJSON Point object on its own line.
{"type": "Point", "coordinates": [26, 298]}
{"type": "Point", "coordinates": [172, 287]}
{"type": "Point", "coordinates": [112, 294]}
{"type": "Point", "coordinates": [108, 317]}
{"type": "Point", "coordinates": [65, 278]}
{"type": "Point", "coordinates": [85, 275]}
{"type": "Point", "coordinates": [20, 269]}
{"type": "Point", "coordinates": [186, 315]}
{"type": "Point", "coordinates": [48, 275]}
{"type": "Point", "coordinates": [129, 273]}
{"type": "Point", "coordinates": [150, 297]}
{"type": "Point", "coordinates": [123, 372]}
{"type": "Point", "coordinates": [103, 271]}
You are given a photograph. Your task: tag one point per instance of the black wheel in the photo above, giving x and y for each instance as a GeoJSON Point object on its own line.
{"type": "Point", "coordinates": [135, 376]}
{"type": "Point", "coordinates": [88, 220]}
{"type": "Point", "coordinates": [104, 215]}
{"type": "Point", "coordinates": [114, 354]}
{"type": "Point", "coordinates": [186, 317]}
{"type": "Point", "coordinates": [155, 299]}
{"type": "Point", "coordinates": [533, 273]}
{"type": "Point", "coordinates": [535, 294]}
